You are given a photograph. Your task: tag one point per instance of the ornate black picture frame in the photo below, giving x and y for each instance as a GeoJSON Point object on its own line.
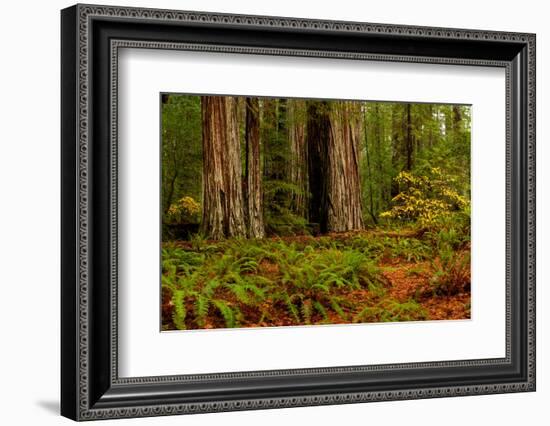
{"type": "Point", "coordinates": [91, 387]}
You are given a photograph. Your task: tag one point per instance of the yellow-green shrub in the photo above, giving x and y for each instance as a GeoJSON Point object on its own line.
{"type": "Point", "coordinates": [185, 210]}
{"type": "Point", "coordinates": [425, 199]}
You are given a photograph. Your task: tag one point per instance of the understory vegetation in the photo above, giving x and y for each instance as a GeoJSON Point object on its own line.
{"type": "Point", "coordinates": [377, 275]}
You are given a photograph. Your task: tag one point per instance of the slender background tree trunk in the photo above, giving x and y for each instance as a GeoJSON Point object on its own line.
{"type": "Point", "coordinates": [410, 142]}
{"type": "Point", "coordinates": [298, 155]}
{"type": "Point", "coordinates": [369, 171]}
{"type": "Point", "coordinates": [254, 176]}
{"type": "Point", "coordinates": [396, 148]}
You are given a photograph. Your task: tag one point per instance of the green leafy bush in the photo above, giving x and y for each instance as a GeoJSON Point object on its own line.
{"type": "Point", "coordinates": [185, 210]}
{"type": "Point", "coordinates": [425, 199]}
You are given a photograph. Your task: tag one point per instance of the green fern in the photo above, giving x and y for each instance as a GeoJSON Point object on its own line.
{"type": "Point", "coordinates": [247, 264]}
{"type": "Point", "coordinates": [321, 309]}
{"type": "Point", "coordinates": [307, 311]}
{"type": "Point", "coordinates": [180, 312]}
{"type": "Point", "coordinates": [227, 313]}
{"type": "Point", "coordinates": [292, 308]}
{"type": "Point", "coordinates": [202, 304]}
{"type": "Point", "coordinates": [335, 305]}
{"type": "Point", "coordinates": [368, 314]}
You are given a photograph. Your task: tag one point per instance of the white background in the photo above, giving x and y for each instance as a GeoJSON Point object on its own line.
{"type": "Point", "coordinates": [29, 225]}
{"type": "Point", "coordinates": [141, 346]}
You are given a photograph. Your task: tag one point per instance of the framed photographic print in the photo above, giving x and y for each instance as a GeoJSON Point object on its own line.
{"type": "Point", "coordinates": [263, 212]}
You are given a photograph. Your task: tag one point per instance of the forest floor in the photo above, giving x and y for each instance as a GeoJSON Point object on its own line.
{"type": "Point", "coordinates": [341, 278]}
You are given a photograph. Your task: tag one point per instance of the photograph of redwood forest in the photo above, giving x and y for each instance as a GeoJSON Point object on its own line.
{"type": "Point", "coordinates": [292, 212]}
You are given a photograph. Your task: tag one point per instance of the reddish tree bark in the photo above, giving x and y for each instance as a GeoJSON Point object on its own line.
{"type": "Point", "coordinates": [333, 136]}
{"type": "Point", "coordinates": [298, 155]}
{"type": "Point", "coordinates": [344, 207]}
{"type": "Point", "coordinates": [253, 171]}
{"type": "Point", "coordinates": [222, 201]}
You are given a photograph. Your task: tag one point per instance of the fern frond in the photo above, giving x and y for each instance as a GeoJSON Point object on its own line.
{"type": "Point", "coordinates": [307, 311]}
{"type": "Point", "coordinates": [240, 292]}
{"type": "Point", "coordinates": [321, 309]}
{"type": "Point", "coordinates": [291, 307]}
{"type": "Point", "coordinates": [179, 313]}
{"type": "Point", "coordinates": [209, 288]}
{"type": "Point", "coordinates": [335, 305]}
{"type": "Point", "coordinates": [247, 264]}
{"type": "Point", "coordinates": [321, 287]}
{"type": "Point", "coordinates": [202, 303]}
{"type": "Point", "coordinates": [227, 313]}
{"type": "Point", "coordinates": [256, 291]}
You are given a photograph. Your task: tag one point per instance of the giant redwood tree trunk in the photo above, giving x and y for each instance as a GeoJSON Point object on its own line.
{"type": "Point", "coordinates": [333, 138]}
{"type": "Point", "coordinates": [253, 172]}
{"type": "Point", "coordinates": [344, 209]}
{"type": "Point", "coordinates": [298, 155]}
{"type": "Point", "coordinates": [222, 200]}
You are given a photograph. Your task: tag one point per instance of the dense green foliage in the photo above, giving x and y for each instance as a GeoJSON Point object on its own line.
{"type": "Point", "coordinates": [181, 149]}
{"type": "Point", "coordinates": [416, 139]}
